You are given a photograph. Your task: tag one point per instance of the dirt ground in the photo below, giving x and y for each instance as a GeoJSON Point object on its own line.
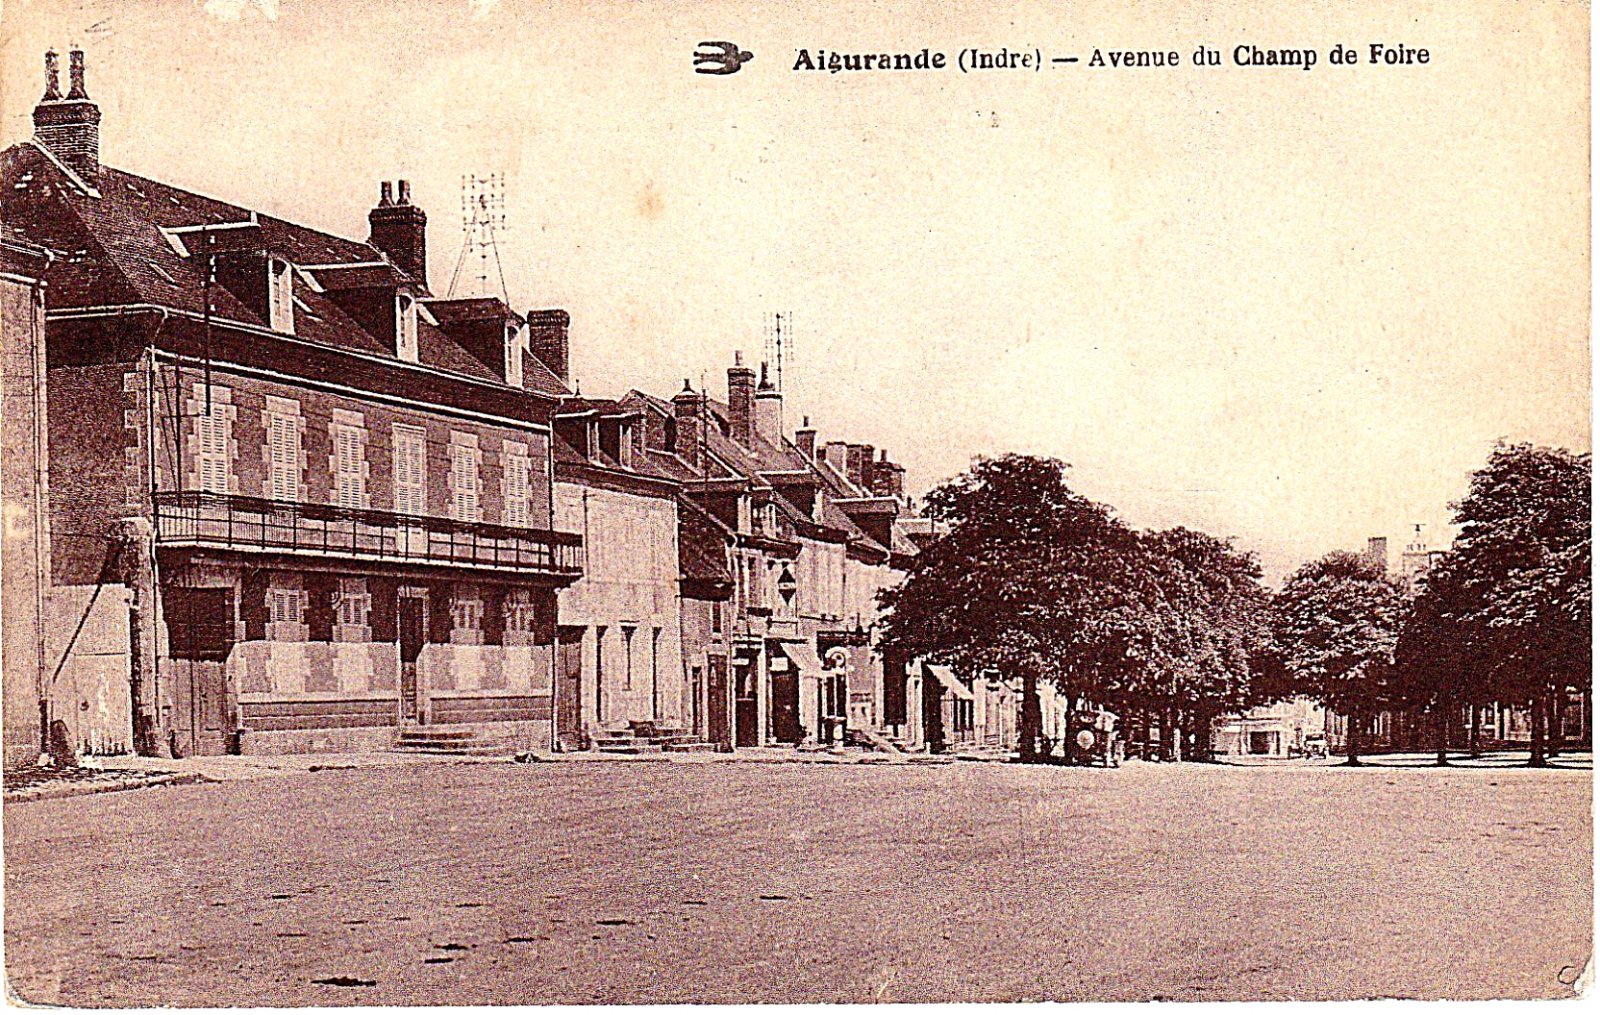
{"type": "Point", "coordinates": [608, 883]}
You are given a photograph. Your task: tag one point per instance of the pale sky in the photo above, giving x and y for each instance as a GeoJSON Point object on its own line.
{"type": "Point", "coordinates": [1292, 307]}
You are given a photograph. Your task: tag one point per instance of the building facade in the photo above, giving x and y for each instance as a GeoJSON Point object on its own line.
{"type": "Point", "coordinates": [328, 494]}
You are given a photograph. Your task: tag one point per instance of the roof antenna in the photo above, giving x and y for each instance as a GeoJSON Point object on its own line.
{"type": "Point", "coordinates": [483, 211]}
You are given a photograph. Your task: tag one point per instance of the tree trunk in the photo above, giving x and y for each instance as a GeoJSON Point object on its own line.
{"type": "Point", "coordinates": [1352, 750]}
{"type": "Point", "coordinates": [1552, 736]}
{"type": "Point", "coordinates": [1443, 704]}
{"type": "Point", "coordinates": [1200, 722]}
{"type": "Point", "coordinates": [1177, 735]}
{"type": "Point", "coordinates": [1536, 753]}
{"type": "Point", "coordinates": [1030, 720]}
{"type": "Point", "coordinates": [1472, 742]}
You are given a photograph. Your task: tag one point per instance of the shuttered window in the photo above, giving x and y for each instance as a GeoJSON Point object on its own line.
{"type": "Point", "coordinates": [286, 606]}
{"type": "Point", "coordinates": [410, 471]}
{"type": "Point", "coordinates": [214, 433]}
{"type": "Point", "coordinates": [518, 479]}
{"type": "Point", "coordinates": [465, 503]}
{"type": "Point", "coordinates": [283, 453]}
{"type": "Point", "coordinates": [347, 464]}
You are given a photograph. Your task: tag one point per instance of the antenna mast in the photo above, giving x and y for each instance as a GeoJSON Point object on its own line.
{"type": "Point", "coordinates": [483, 213]}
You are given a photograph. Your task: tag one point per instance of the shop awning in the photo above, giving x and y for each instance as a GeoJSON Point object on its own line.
{"type": "Point", "coordinates": [804, 656]}
{"type": "Point", "coordinates": [948, 679]}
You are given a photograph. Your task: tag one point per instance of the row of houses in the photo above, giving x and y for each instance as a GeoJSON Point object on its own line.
{"type": "Point", "coordinates": [282, 496]}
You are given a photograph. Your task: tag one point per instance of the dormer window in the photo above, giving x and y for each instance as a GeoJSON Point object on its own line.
{"type": "Point", "coordinates": [513, 356]}
{"type": "Point", "coordinates": [280, 296]}
{"type": "Point", "coordinates": [405, 327]}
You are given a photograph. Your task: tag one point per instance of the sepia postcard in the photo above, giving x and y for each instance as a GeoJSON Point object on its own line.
{"type": "Point", "coordinates": [637, 503]}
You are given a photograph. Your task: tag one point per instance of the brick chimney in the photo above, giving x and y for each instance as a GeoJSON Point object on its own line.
{"type": "Point", "coordinates": [858, 462]}
{"type": "Point", "coordinates": [741, 401]}
{"type": "Point", "coordinates": [769, 411]}
{"type": "Point", "coordinates": [888, 479]}
{"type": "Point", "coordinates": [400, 229]}
{"type": "Point", "coordinates": [805, 438]}
{"type": "Point", "coordinates": [69, 127]}
{"type": "Point", "coordinates": [547, 340]}
{"type": "Point", "coordinates": [688, 415]}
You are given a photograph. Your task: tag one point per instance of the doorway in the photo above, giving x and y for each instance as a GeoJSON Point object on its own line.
{"type": "Point", "coordinates": [569, 688]}
{"type": "Point", "coordinates": [200, 635]}
{"type": "Point", "coordinates": [786, 706]}
{"type": "Point", "coordinates": [411, 622]}
{"type": "Point", "coordinates": [718, 730]}
{"type": "Point", "coordinates": [746, 710]}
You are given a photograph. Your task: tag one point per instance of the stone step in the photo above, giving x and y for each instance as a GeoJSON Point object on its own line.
{"type": "Point", "coordinates": [440, 732]}
{"type": "Point", "coordinates": [682, 746]}
{"type": "Point", "coordinates": [483, 750]}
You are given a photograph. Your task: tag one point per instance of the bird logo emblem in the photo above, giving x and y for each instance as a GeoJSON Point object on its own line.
{"type": "Point", "coordinates": [720, 58]}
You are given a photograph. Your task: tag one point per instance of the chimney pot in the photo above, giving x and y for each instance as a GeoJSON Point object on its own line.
{"type": "Point", "coordinates": [405, 191]}
{"type": "Point", "coordinates": [385, 194]}
{"type": "Point", "coordinates": [52, 77]}
{"type": "Point", "coordinates": [70, 127]}
{"type": "Point", "coordinates": [75, 72]}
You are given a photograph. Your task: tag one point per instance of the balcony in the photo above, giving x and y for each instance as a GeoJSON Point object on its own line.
{"type": "Point", "coordinates": [188, 518]}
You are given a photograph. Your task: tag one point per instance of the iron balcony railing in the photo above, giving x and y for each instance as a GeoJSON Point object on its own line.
{"type": "Point", "coordinates": [233, 522]}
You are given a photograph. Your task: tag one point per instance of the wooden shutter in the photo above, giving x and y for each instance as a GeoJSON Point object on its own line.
{"type": "Point", "coordinates": [517, 476]}
{"type": "Point", "coordinates": [464, 481]}
{"type": "Point", "coordinates": [283, 452]}
{"type": "Point", "coordinates": [410, 471]}
{"type": "Point", "coordinates": [347, 452]}
{"type": "Point", "coordinates": [213, 451]}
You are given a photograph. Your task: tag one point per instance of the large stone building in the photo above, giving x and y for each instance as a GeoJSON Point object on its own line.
{"type": "Point", "coordinates": [326, 494]}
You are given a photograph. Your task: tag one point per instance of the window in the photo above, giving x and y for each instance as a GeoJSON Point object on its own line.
{"type": "Point", "coordinates": [348, 485]}
{"type": "Point", "coordinates": [215, 433]}
{"type": "Point", "coordinates": [518, 478]}
{"type": "Point", "coordinates": [405, 328]}
{"type": "Point", "coordinates": [627, 658]}
{"type": "Point", "coordinates": [283, 455]}
{"type": "Point", "coordinates": [355, 603]}
{"type": "Point", "coordinates": [522, 615]}
{"type": "Point", "coordinates": [513, 357]}
{"type": "Point", "coordinates": [286, 610]}
{"type": "Point", "coordinates": [466, 611]}
{"type": "Point", "coordinates": [286, 606]}
{"type": "Point", "coordinates": [716, 616]}
{"type": "Point", "coordinates": [280, 296]}
{"type": "Point", "coordinates": [464, 500]}
{"type": "Point", "coordinates": [410, 470]}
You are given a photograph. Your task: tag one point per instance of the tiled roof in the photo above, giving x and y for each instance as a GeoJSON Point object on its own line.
{"type": "Point", "coordinates": [120, 248]}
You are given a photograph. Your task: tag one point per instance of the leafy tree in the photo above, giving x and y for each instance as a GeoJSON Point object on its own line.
{"type": "Point", "coordinates": [1441, 660]}
{"type": "Point", "coordinates": [1336, 621]}
{"type": "Point", "coordinates": [1200, 619]}
{"type": "Point", "coordinates": [1020, 582]}
{"type": "Point", "coordinates": [1522, 586]}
